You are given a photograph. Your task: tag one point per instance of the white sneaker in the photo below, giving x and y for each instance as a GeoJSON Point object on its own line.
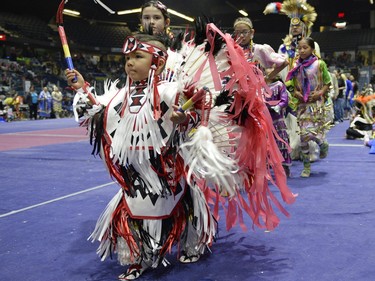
{"type": "Point", "coordinates": [366, 139]}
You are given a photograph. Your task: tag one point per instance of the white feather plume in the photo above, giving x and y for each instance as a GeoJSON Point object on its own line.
{"type": "Point", "coordinates": [110, 89]}
{"type": "Point", "coordinates": [272, 8]}
{"type": "Point", "coordinates": [209, 153]}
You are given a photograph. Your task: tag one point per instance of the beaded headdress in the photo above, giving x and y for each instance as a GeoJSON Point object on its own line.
{"type": "Point", "coordinates": [243, 20]}
{"type": "Point", "coordinates": [131, 44]}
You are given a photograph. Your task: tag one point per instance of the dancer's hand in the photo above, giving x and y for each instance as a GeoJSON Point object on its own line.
{"type": "Point", "coordinates": [315, 95]}
{"type": "Point", "coordinates": [298, 95]}
{"type": "Point", "coordinates": [177, 116]}
{"type": "Point", "coordinates": [72, 74]}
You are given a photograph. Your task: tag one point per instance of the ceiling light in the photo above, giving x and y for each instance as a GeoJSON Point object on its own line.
{"type": "Point", "coordinates": [104, 6]}
{"type": "Point", "coordinates": [131, 11]}
{"type": "Point", "coordinates": [71, 12]}
{"type": "Point", "coordinates": [138, 10]}
{"type": "Point", "coordinates": [340, 25]}
{"type": "Point", "coordinates": [242, 12]}
{"type": "Point", "coordinates": [173, 12]}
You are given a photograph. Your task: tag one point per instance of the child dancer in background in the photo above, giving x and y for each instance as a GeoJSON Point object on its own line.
{"type": "Point", "coordinates": [155, 17]}
{"type": "Point", "coordinates": [261, 54]}
{"type": "Point", "coordinates": [267, 60]}
{"type": "Point", "coordinates": [311, 81]}
{"type": "Point", "coordinates": [278, 101]}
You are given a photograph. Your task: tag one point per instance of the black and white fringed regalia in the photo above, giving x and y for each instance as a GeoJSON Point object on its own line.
{"type": "Point", "coordinates": [172, 178]}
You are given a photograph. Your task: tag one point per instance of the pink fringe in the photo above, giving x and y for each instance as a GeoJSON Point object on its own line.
{"type": "Point", "coordinates": [257, 153]}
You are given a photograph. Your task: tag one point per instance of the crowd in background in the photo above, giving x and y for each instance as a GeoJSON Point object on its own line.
{"type": "Point", "coordinates": [44, 70]}
{"type": "Point", "coordinates": [22, 69]}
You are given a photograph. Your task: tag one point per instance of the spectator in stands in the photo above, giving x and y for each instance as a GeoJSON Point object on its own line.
{"type": "Point", "coordinates": [13, 54]}
{"type": "Point", "coordinates": [18, 103]}
{"type": "Point", "coordinates": [332, 94]}
{"type": "Point", "coordinates": [355, 89]}
{"type": "Point", "coordinates": [28, 52]}
{"type": "Point", "coordinates": [9, 106]}
{"type": "Point", "coordinates": [360, 59]}
{"type": "Point", "coordinates": [339, 103]}
{"type": "Point", "coordinates": [57, 101]}
{"type": "Point", "coordinates": [348, 96]}
{"type": "Point", "coordinates": [360, 127]}
{"type": "Point", "coordinates": [3, 115]}
{"type": "Point", "coordinates": [33, 103]}
{"type": "Point", "coordinates": [45, 103]}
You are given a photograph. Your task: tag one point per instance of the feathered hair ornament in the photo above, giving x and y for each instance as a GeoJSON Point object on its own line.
{"type": "Point", "coordinates": [297, 10]}
{"type": "Point", "coordinates": [273, 8]}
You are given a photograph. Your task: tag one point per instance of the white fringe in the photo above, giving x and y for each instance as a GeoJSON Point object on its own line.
{"type": "Point", "coordinates": [145, 129]}
{"type": "Point", "coordinates": [95, 109]}
{"type": "Point", "coordinates": [201, 235]}
{"type": "Point", "coordinates": [110, 90]}
{"type": "Point", "coordinates": [102, 226]}
{"type": "Point", "coordinates": [80, 98]}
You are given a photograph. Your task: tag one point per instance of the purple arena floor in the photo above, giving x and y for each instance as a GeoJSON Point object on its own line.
{"type": "Point", "coordinates": [52, 191]}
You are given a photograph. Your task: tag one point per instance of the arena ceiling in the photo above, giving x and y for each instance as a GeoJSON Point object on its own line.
{"type": "Point", "coordinates": [224, 12]}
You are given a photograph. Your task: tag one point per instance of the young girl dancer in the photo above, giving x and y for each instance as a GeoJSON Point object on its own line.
{"type": "Point", "coordinates": [311, 80]}
{"type": "Point", "coordinates": [271, 63]}
{"type": "Point", "coordinates": [154, 16]}
{"type": "Point", "coordinates": [261, 54]}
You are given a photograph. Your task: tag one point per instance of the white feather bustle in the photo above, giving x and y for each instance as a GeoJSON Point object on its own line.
{"type": "Point", "coordinates": [187, 63]}
{"type": "Point", "coordinates": [81, 98]}
{"type": "Point", "coordinates": [110, 89]}
{"type": "Point", "coordinates": [208, 154]}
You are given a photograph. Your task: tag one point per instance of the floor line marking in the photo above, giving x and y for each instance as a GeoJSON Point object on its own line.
{"type": "Point", "coordinates": [54, 200]}
{"type": "Point", "coordinates": [348, 145]}
{"type": "Point", "coordinates": [45, 135]}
